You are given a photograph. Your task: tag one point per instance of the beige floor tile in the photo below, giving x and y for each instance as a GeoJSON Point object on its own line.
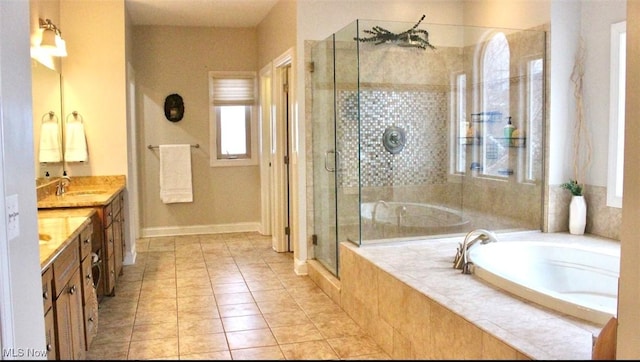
{"type": "Point", "coordinates": [158, 293]}
{"type": "Point", "coordinates": [236, 310]}
{"type": "Point", "coordinates": [203, 343]}
{"type": "Point", "coordinates": [189, 327]}
{"type": "Point", "coordinates": [156, 317]}
{"type": "Point", "coordinates": [252, 338]}
{"type": "Point", "coordinates": [108, 351]}
{"type": "Point", "coordinates": [193, 282]}
{"type": "Point", "coordinates": [225, 278]}
{"type": "Point", "coordinates": [256, 285]}
{"type": "Point", "coordinates": [193, 273]}
{"type": "Point", "coordinates": [243, 323]}
{"type": "Point", "coordinates": [196, 313]}
{"type": "Point", "coordinates": [165, 307]}
{"type": "Point", "coordinates": [264, 295]}
{"type": "Point", "coordinates": [284, 319]}
{"type": "Point", "coordinates": [230, 288]}
{"type": "Point", "coordinates": [234, 298]}
{"type": "Point", "coordinates": [341, 325]}
{"type": "Point", "coordinates": [196, 301]}
{"type": "Point", "coordinates": [354, 346]}
{"type": "Point", "coordinates": [153, 349]}
{"type": "Point", "coordinates": [296, 333]}
{"type": "Point", "coordinates": [312, 350]}
{"type": "Point", "coordinates": [194, 291]}
{"type": "Point", "coordinates": [258, 354]}
{"type": "Point", "coordinates": [154, 331]}
{"type": "Point", "coordinates": [157, 304]}
{"type": "Point", "coordinates": [112, 334]}
{"type": "Point", "coordinates": [282, 305]}
{"type": "Point", "coordinates": [207, 356]}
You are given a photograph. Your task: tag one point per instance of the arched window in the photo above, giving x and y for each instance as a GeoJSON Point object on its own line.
{"type": "Point", "coordinates": [495, 105]}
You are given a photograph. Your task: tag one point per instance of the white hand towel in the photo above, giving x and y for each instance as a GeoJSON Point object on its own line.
{"type": "Point", "coordinates": [175, 174]}
{"type": "Point", "coordinates": [75, 145]}
{"type": "Point", "coordinates": [50, 150]}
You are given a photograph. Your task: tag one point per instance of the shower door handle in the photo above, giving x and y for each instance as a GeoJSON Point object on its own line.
{"type": "Point", "coordinates": [326, 161]}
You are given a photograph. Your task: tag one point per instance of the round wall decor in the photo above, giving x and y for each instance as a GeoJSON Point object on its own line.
{"type": "Point", "coordinates": [394, 139]}
{"type": "Point", "coordinates": [174, 107]}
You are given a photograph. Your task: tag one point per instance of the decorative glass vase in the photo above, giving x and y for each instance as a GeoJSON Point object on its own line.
{"type": "Point", "coordinates": [577, 215]}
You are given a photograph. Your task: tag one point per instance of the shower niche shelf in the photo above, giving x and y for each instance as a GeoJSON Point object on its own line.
{"type": "Point", "coordinates": [513, 142]}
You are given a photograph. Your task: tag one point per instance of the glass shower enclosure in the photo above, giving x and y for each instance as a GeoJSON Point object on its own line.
{"type": "Point", "coordinates": [422, 131]}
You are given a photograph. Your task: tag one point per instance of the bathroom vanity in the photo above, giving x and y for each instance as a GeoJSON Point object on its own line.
{"type": "Point", "coordinates": [106, 195]}
{"type": "Point", "coordinates": [69, 298]}
{"type": "Point", "coordinates": [81, 257]}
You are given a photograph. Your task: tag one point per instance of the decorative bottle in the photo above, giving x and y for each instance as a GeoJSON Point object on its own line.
{"type": "Point", "coordinates": [508, 131]}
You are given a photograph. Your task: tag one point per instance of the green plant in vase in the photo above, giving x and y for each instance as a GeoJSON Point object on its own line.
{"type": "Point", "coordinates": [573, 186]}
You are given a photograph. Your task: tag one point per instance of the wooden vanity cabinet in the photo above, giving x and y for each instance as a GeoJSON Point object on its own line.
{"type": "Point", "coordinates": [49, 320]}
{"type": "Point", "coordinates": [89, 297]}
{"type": "Point", "coordinates": [113, 246]}
{"type": "Point", "coordinates": [69, 315]}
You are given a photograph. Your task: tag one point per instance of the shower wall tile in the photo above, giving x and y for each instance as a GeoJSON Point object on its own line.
{"type": "Point", "coordinates": [423, 117]}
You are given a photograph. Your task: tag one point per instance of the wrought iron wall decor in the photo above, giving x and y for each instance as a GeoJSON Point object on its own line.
{"type": "Point", "coordinates": [417, 38]}
{"type": "Point", "coordinates": [174, 107]}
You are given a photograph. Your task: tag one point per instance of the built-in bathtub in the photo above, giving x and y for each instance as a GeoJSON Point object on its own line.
{"type": "Point", "coordinates": [574, 279]}
{"type": "Point", "coordinates": [388, 219]}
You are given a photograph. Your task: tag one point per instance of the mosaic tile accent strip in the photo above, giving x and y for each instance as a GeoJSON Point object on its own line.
{"type": "Point", "coordinates": [423, 116]}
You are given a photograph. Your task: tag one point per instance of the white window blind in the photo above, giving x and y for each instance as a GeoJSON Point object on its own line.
{"type": "Point", "coordinates": [237, 91]}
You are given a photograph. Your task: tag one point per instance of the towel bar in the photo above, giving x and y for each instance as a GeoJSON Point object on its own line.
{"type": "Point", "coordinates": [152, 147]}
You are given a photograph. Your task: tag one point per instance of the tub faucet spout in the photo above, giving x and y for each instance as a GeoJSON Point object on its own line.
{"type": "Point", "coordinates": [375, 210]}
{"type": "Point", "coordinates": [460, 260]}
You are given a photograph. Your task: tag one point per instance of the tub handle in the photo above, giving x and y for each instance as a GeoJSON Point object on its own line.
{"type": "Point", "coordinates": [326, 161]}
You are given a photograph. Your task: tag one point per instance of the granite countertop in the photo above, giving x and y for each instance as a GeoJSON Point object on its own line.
{"type": "Point", "coordinates": [57, 228]}
{"type": "Point", "coordinates": [82, 192]}
{"type": "Point", "coordinates": [62, 218]}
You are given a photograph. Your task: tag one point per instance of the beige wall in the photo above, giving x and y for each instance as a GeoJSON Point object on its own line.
{"type": "Point", "coordinates": [177, 60]}
{"type": "Point", "coordinates": [277, 32]}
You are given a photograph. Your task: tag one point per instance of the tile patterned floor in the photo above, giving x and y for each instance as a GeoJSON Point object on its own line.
{"type": "Point", "coordinates": [222, 296]}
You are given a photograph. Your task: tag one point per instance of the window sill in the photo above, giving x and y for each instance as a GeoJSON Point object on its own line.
{"type": "Point", "coordinates": [233, 162]}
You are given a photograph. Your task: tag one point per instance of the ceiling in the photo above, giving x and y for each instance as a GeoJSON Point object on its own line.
{"type": "Point", "coordinates": [212, 13]}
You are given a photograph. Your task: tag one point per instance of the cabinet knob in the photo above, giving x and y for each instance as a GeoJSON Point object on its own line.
{"type": "Point", "coordinates": [72, 290]}
{"type": "Point", "coordinates": [49, 347]}
{"type": "Point", "coordinates": [89, 276]}
{"type": "Point", "coordinates": [45, 295]}
{"type": "Point", "coordinates": [87, 241]}
{"type": "Point", "coordinates": [90, 319]}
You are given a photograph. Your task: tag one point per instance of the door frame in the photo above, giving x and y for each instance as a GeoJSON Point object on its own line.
{"type": "Point", "coordinates": [281, 190]}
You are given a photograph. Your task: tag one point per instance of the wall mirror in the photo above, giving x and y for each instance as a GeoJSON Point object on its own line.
{"type": "Point", "coordinates": [47, 107]}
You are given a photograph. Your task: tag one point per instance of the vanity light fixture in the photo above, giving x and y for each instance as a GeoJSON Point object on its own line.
{"type": "Point", "coordinates": [52, 41]}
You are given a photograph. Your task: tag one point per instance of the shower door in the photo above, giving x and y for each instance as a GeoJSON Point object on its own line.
{"type": "Point", "coordinates": [324, 156]}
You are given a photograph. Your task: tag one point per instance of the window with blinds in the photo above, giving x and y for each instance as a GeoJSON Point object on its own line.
{"type": "Point", "coordinates": [233, 98]}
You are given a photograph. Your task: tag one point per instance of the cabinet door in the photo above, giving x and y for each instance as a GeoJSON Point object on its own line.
{"type": "Point", "coordinates": [108, 264]}
{"type": "Point", "coordinates": [50, 335]}
{"type": "Point", "coordinates": [118, 246]}
{"type": "Point", "coordinates": [70, 320]}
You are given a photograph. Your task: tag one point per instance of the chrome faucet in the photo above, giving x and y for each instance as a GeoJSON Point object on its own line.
{"type": "Point", "coordinates": [401, 211]}
{"type": "Point", "coordinates": [63, 182]}
{"type": "Point", "coordinates": [375, 210]}
{"type": "Point", "coordinates": [460, 260]}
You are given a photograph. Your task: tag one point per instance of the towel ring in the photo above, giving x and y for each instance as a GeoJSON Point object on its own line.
{"type": "Point", "coordinates": [51, 115]}
{"type": "Point", "coordinates": [75, 115]}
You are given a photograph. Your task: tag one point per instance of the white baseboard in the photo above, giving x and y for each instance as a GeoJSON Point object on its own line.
{"type": "Point", "coordinates": [130, 258]}
{"type": "Point", "coordinates": [200, 229]}
{"type": "Point", "coordinates": [300, 267]}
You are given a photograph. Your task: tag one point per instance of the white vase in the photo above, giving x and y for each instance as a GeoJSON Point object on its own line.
{"type": "Point", "coordinates": [577, 215]}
